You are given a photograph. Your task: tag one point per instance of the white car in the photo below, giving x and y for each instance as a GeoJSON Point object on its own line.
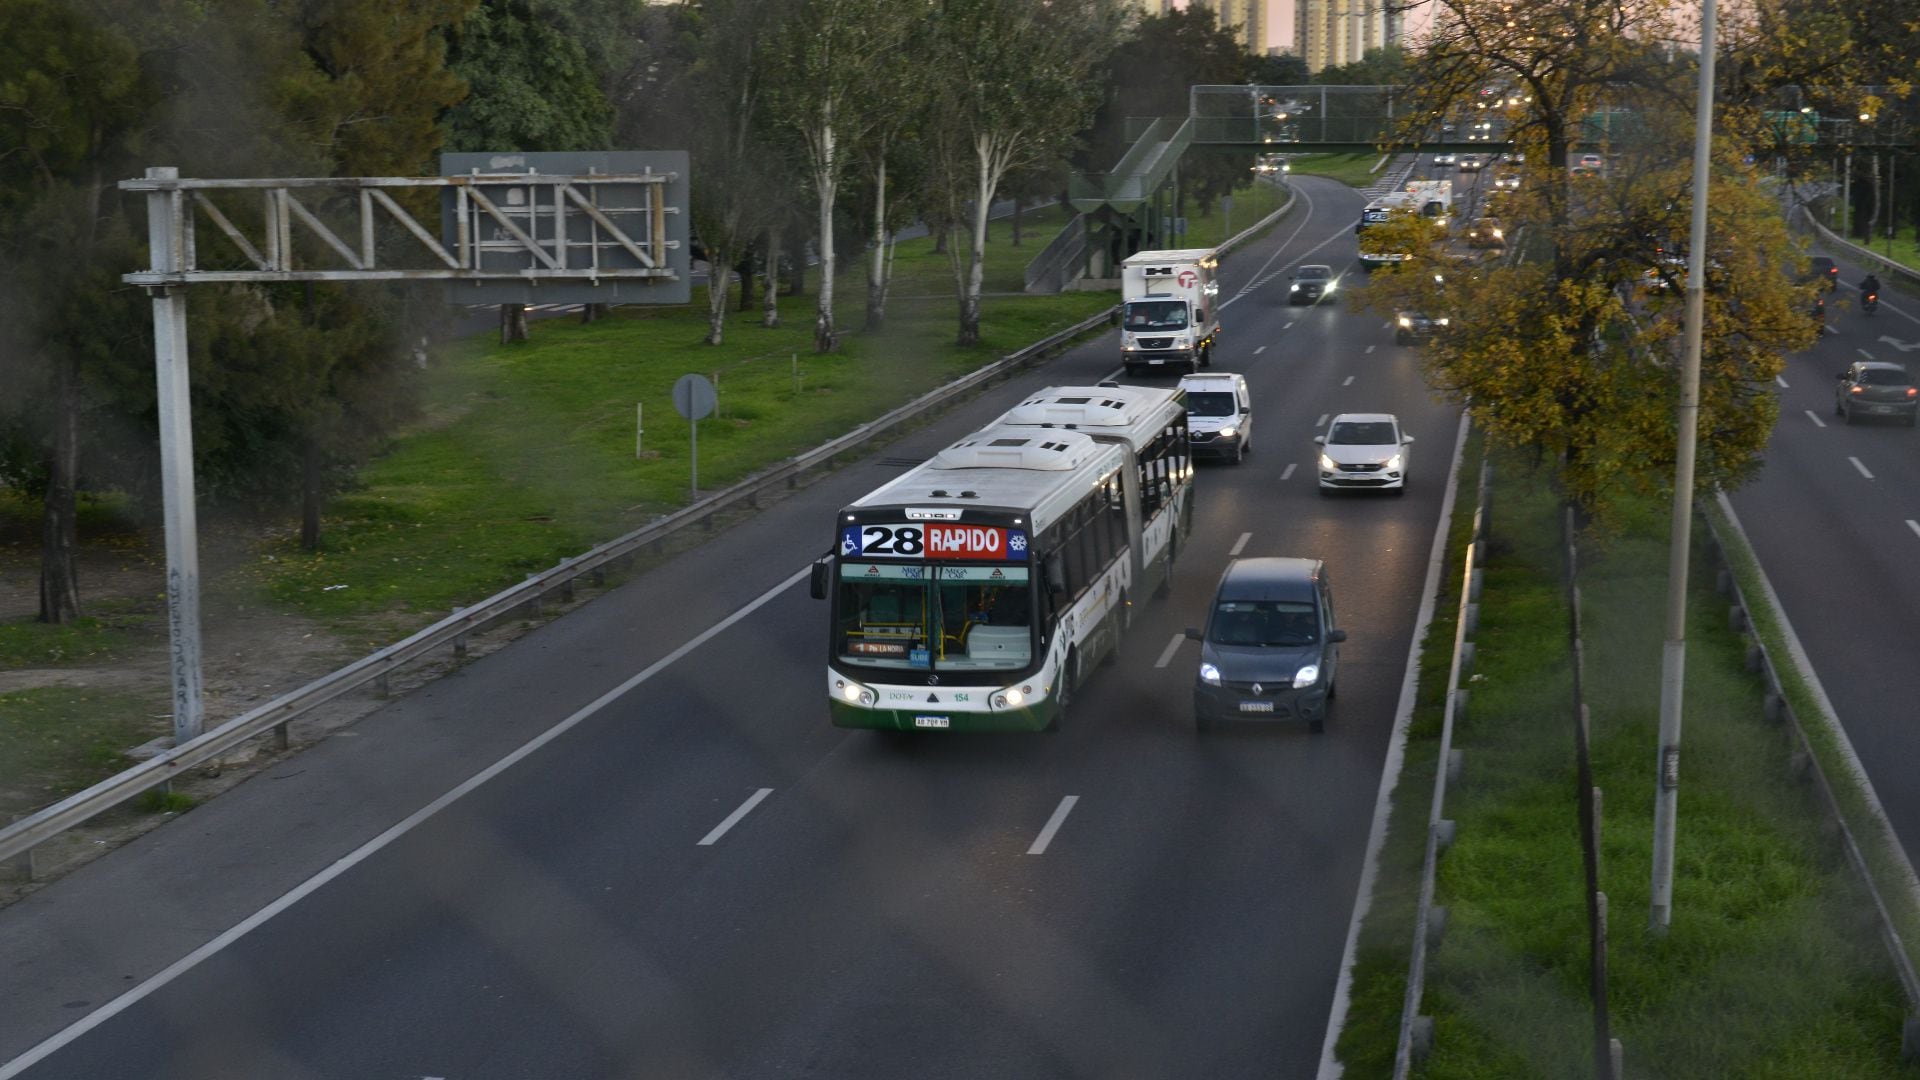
{"type": "Point", "coordinates": [1219, 415]}
{"type": "Point", "coordinates": [1363, 450]}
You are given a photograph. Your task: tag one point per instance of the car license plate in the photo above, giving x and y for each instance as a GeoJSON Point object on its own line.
{"type": "Point", "coordinates": [1256, 706]}
{"type": "Point", "coordinates": [932, 721]}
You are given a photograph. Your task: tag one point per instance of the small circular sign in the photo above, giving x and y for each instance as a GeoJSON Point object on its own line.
{"type": "Point", "coordinates": [694, 397]}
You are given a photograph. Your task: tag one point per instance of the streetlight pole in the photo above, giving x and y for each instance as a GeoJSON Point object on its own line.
{"type": "Point", "coordinates": [1674, 651]}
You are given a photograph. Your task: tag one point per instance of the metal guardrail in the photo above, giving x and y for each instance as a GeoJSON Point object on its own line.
{"type": "Point", "coordinates": [1416, 1031]}
{"type": "Point", "coordinates": [1904, 274]}
{"type": "Point", "coordinates": [1760, 658]}
{"type": "Point", "coordinates": [18, 840]}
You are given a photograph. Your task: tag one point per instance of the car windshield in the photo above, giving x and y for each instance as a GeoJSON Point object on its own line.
{"type": "Point", "coordinates": [1884, 377]}
{"type": "Point", "coordinates": [1313, 273]}
{"type": "Point", "coordinates": [1157, 315]}
{"type": "Point", "coordinates": [1210, 403]}
{"type": "Point", "coordinates": [1361, 433]}
{"type": "Point", "coordinates": [1264, 623]}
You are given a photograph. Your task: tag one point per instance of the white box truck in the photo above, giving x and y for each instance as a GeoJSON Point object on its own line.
{"type": "Point", "coordinates": [1169, 309]}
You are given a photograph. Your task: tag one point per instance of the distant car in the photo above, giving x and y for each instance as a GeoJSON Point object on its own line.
{"type": "Point", "coordinates": [1472, 163]}
{"type": "Point", "coordinates": [1487, 233]}
{"type": "Point", "coordinates": [1310, 282]}
{"type": "Point", "coordinates": [1270, 649]}
{"type": "Point", "coordinates": [1822, 269]}
{"type": "Point", "coordinates": [1513, 157]}
{"type": "Point", "coordinates": [1591, 161]}
{"type": "Point", "coordinates": [1411, 326]}
{"type": "Point", "coordinates": [1219, 415]}
{"type": "Point", "coordinates": [1363, 450]}
{"type": "Point", "coordinates": [1507, 181]}
{"type": "Point", "coordinates": [1876, 388]}
{"type": "Point", "coordinates": [1446, 159]}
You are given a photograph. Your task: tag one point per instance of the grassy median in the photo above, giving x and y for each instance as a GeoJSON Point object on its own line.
{"type": "Point", "coordinates": [1771, 967]}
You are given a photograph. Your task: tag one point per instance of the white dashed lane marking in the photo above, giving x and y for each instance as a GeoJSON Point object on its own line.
{"type": "Point", "coordinates": [1348, 381]}
{"type": "Point", "coordinates": [1240, 545]}
{"type": "Point", "coordinates": [1782, 381]}
{"type": "Point", "coordinates": [1288, 475]}
{"type": "Point", "coordinates": [1815, 417]}
{"type": "Point", "coordinates": [733, 819]}
{"type": "Point", "coordinates": [1914, 525]}
{"type": "Point", "coordinates": [1259, 350]}
{"type": "Point", "coordinates": [1862, 468]}
{"type": "Point", "coordinates": [1053, 825]}
{"type": "Point", "coordinates": [1166, 656]}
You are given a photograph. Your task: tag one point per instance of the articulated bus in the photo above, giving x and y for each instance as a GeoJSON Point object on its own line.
{"type": "Point", "coordinates": [974, 592]}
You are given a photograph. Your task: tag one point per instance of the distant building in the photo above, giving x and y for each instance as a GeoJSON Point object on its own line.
{"type": "Point", "coordinates": [1247, 19]}
{"type": "Point", "coordinates": [1331, 33]}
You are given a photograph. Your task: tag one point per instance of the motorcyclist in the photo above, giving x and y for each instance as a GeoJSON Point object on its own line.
{"type": "Point", "coordinates": [1870, 286]}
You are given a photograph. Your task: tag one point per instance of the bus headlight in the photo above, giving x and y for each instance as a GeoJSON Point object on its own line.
{"type": "Point", "coordinates": [1012, 697]}
{"type": "Point", "coordinates": [854, 693]}
{"type": "Point", "coordinates": [1209, 674]}
{"type": "Point", "coordinates": [1306, 676]}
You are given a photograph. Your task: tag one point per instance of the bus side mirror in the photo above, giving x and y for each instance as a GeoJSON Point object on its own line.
{"type": "Point", "coordinates": [817, 577]}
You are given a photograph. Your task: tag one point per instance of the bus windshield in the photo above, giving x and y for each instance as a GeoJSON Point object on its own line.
{"type": "Point", "coordinates": [1156, 315]}
{"type": "Point", "coordinates": [935, 616]}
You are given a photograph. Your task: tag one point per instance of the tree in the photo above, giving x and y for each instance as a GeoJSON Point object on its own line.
{"type": "Point", "coordinates": [1014, 85]}
{"type": "Point", "coordinates": [1383, 66]}
{"type": "Point", "coordinates": [532, 85]}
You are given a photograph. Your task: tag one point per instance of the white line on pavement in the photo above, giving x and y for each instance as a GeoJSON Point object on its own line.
{"type": "Point", "coordinates": [1914, 525]}
{"type": "Point", "coordinates": [733, 819]}
{"type": "Point", "coordinates": [1782, 381]}
{"type": "Point", "coordinates": [1240, 545]}
{"type": "Point", "coordinates": [1259, 350]}
{"type": "Point", "coordinates": [1369, 349]}
{"type": "Point", "coordinates": [1289, 326]}
{"type": "Point", "coordinates": [1053, 825]}
{"type": "Point", "coordinates": [1166, 656]}
{"type": "Point", "coordinates": [1862, 468]}
{"type": "Point", "coordinates": [1288, 474]}
{"type": "Point", "coordinates": [1863, 352]}
{"type": "Point", "coordinates": [360, 854]}
{"type": "Point", "coordinates": [1348, 381]}
{"type": "Point", "coordinates": [1815, 417]}
{"type": "Point", "coordinates": [1322, 422]}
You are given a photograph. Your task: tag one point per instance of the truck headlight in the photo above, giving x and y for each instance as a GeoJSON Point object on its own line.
{"type": "Point", "coordinates": [1306, 676]}
{"type": "Point", "coordinates": [855, 693]}
{"type": "Point", "coordinates": [1209, 674]}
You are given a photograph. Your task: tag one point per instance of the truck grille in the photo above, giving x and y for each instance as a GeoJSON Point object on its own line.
{"type": "Point", "coordinates": [1156, 342]}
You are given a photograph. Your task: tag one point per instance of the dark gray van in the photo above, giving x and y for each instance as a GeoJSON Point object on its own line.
{"type": "Point", "coordinates": [1270, 649]}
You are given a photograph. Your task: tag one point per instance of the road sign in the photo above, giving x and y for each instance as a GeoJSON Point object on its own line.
{"type": "Point", "coordinates": [694, 397]}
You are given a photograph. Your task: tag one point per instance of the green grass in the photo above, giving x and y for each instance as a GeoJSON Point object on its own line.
{"type": "Point", "coordinates": [1769, 969]}
{"type": "Point", "coordinates": [58, 740]}
{"type": "Point", "coordinates": [527, 455]}
{"type": "Point", "coordinates": [1349, 169]}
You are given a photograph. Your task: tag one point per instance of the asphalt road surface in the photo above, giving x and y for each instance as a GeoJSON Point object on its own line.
{"type": "Point", "coordinates": [631, 845]}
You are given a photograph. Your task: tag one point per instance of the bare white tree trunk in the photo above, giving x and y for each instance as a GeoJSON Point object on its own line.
{"type": "Point", "coordinates": [877, 272]}
{"type": "Point", "coordinates": [992, 156]}
{"type": "Point", "coordinates": [826, 182]}
{"type": "Point", "coordinates": [771, 317]}
{"type": "Point", "coordinates": [719, 281]}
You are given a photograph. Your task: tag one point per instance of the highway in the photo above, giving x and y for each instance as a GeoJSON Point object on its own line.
{"type": "Point", "coordinates": [631, 845]}
{"type": "Point", "coordinates": [1835, 519]}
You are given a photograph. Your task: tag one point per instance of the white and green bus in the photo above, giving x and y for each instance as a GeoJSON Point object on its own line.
{"type": "Point", "coordinates": [975, 591]}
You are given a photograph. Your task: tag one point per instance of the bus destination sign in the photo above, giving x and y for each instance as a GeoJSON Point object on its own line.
{"type": "Point", "coordinates": [934, 540]}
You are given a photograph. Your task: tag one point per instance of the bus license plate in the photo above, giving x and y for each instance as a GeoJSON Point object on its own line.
{"type": "Point", "coordinates": [932, 721]}
{"type": "Point", "coordinates": [1256, 706]}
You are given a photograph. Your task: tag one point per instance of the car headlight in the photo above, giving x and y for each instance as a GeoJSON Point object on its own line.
{"type": "Point", "coordinates": [1393, 463]}
{"type": "Point", "coordinates": [1295, 287]}
{"type": "Point", "coordinates": [1498, 235]}
{"type": "Point", "coordinates": [1229, 431]}
{"type": "Point", "coordinates": [855, 693]}
{"type": "Point", "coordinates": [1442, 321]}
{"type": "Point", "coordinates": [1209, 674]}
{"type": "Point", "coordinates": [1012, 697]}
{"type": "Point", "coordinates": [1327, 464]}
{"type": "Point", "coordinates": [1306, 676]}
{"type": "Point", "coordinates": [1406, 323]}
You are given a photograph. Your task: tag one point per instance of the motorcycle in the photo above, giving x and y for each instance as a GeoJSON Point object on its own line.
{"type": "Point", "coordinates": [1820, 310]}
{"type": "Point", "coordinates": [1869, 302]}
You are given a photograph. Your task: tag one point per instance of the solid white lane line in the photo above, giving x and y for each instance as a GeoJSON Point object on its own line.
{"type": "Point", "coordinates": [1914, 525]}
{"type": "Point", "coordinates": [1288, 474]}
{"type": "Point", "coordinates": [1348, 381]}
{"type": "Point", "coordinates": [1240, 545]}
{"type": "Point", "coordinates": [1815, 417]}
{"type": "Point", "coordinates": [733, 819]}
{"type": "Point", "coordinates": [1862, 468]}
{"type": "Point", "coordinates": [1166, 655]}
{"type": "Point", "coordinates": [1781, 379]}
{"type": "Point", "coordinates": [1053, 825]}
{"type": "Point", "coordinates": [360, 854]}
{"type": "Point", "coordinates": [1369, 349]}
{"type": "Point", "coordinates": [1259, 350]}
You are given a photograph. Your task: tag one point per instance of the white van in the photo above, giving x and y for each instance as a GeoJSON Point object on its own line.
{"type": "Point", "coordinates": [1219, 415]}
